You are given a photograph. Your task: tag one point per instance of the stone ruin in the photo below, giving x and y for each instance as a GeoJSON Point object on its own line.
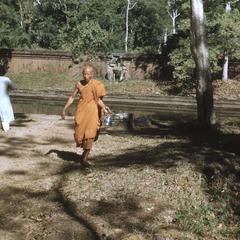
{"type": "Point", "coordinates": [116, 69]}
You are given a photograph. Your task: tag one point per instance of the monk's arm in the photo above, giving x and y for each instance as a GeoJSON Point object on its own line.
{"type": "Point", "coordinates": [69, 102]}
{"type": "Point", "coordinates": [105, 108]}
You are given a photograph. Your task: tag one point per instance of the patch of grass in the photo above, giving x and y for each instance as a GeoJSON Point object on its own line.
{"type": "Point", "coordinates": [134, 87]}
{"type": "Point", "coordinates": [208, 220]}
{"type": "Point", "coordinates": [42, 81]}
{"type": "Point", "coordinates": [62, 81]}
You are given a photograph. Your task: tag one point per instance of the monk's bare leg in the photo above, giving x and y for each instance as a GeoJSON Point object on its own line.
{"type": "Point", "coordinates": [85, 161]}
{"type": "Point", "coordinates": [85, 154]}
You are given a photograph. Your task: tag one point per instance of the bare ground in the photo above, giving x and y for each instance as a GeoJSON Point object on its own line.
{"type": "Point", "coordinates": [157, 183]}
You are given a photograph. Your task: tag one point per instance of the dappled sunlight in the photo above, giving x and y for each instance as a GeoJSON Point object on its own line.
{"type": "Point", "coordinates": [144, 181]}
{"type": "Point", "coordinates": [128, 213]}
{"type": "Point", "coordinates": [25, 213]}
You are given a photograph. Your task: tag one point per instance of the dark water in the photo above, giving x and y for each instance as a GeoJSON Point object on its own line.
{"type": "Point", "coordinates": [40, 107]}
{"type": "Point", "coordinates": [55, 107]}
{"type": "Point", "coordinates": [118, 119]}
{"type": "Point", "coordinates": [121, 120]}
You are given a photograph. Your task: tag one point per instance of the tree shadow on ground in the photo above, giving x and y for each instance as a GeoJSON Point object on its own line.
{"type": "Point", "coordinates": [21, 120]}
{"type": "Point", "coordinates": [18, 203]}
{"type": "Point", "coordinates": [214, 144]}
{"type": "Point", "coordinates": [214, 153]}
{"type": "Point", "coordinates": [19, 172]}
{"type": "Point", "coordinates": [130, 214]}
{"type": "Point", "coordinates": [22, 206]}
{"type": "Point", "coordinates": [65, 155]}
{"type": "Point", "coordinates": [214, 138]}
{"type": "Point", "coordinates": [71, 209]}
{"type": "Point", "coordinates": [14, 146]}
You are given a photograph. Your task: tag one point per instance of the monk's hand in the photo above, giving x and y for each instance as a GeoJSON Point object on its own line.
{"type": "Point", "coordinates": [107, 110]}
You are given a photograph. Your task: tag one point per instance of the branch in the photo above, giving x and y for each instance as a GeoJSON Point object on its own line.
{"type": "Point", "coordinates": [169, 14]}
{"type": "Point", "coordinates": [130, 8]}
{"type": "Point", "coordinates": [174, 14]}
{"type": "Point", "coordinates": [177, 14]}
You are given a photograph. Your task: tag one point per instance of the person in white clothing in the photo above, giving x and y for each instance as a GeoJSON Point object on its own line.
{"type": "Point", "coordinates": [6, 110]}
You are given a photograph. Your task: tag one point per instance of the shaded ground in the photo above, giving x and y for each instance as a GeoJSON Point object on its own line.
{"type": "Point", "coordinates": [31, 205]}
{"type": "Point", "coordinates": [161, 182]}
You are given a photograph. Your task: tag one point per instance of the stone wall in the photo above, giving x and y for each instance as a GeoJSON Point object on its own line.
{"type": "Point", "coordinates": [36, 60]}
{"type": "Point", "coordinates": [138, 66]}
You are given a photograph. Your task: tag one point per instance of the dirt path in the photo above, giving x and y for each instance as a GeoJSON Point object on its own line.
{"type": "Point", "coordinates": [46, 195]}
{"type": "Point", "coordinates": [144, 186]}
{"type": "Point", "coordinates": [31, 205]}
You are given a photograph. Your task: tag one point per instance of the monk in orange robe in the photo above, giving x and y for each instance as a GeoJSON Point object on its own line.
{"type": "Point", "coordinates": [88, 112]}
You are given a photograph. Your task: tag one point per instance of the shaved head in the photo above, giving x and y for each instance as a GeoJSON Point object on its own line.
{"type": "Point", "coordinates": [88, 72]}
{"type": "Point", "coordinates": [89, 68]}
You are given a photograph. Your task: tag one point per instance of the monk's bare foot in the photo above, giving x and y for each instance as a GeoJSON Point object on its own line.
{"type": "Point", "coordinates": [87, 163]}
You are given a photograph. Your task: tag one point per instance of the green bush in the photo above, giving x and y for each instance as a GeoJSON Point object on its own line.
{"type": "Point", "coordinates": [181, 59]}
{"type": "Point", "coordinates": [90, 39]}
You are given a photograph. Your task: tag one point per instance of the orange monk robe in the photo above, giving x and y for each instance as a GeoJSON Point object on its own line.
{"type": "Point", "coordinates": [88, 114]}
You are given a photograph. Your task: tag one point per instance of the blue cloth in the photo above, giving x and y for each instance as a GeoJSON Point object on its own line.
{"type": "Point", "coordinates": [6, 111]}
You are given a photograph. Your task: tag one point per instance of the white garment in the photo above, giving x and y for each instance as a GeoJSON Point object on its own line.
{"type": "Point", "coordinates": [5, 126]}
{"type": "Point", "coordinates": [6, 111]}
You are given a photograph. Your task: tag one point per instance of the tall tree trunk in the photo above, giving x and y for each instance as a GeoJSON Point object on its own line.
{"type": "Point", "coordinates": [126, 27]}
{"type": "Point", "coordinates": [174, 25]}
{"type": "Point", "coordinates": [130, 6]}
{"type": "Point", "coordinates": [226, 59]}
{"type": "Point", "coordinates": [165, 38]}
{"type": "Point", "coordinates": [21, 14]}
{"type": "Point", "coordinates": [204, 92]}
{"type": "Point", "coordinates": [225, 68]}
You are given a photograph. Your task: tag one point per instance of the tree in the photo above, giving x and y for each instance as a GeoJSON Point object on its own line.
{"type": "Point", "coordinates": [173, 13]}
{"type": "Point", "coordinates": [222, 32]}
{"type": "Point", "coordinates": [51, 24]}
{"type": "Point", "coordinates": [230, 32]}
{"type": "Point", "coordinates": [109, 15]}
{"type": "Point", "coordinates": [148, 19]}
{"type": "Point", "coordinates": [130, 6]}
{"type": "Point", "coordinates": [204, 92]}
{"type": "Point", "coordinates": [90, 39]}
{"type": "Point", "coordinates": [12, 34]}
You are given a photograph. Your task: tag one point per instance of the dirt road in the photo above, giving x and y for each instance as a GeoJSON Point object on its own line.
{"type": "Point", "coordinates": [140, 185]}
{"type": "Point", "coordinates": [31, 204]}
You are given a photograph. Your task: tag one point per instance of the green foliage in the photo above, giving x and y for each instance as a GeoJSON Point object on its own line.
{"type": "Point", "coordinates": [93, 27]}
{"type": "Point", "coordinates": [148, 21]}
{"type": "Point", "coordinates": [90, 39]}
{"type": "Point", "coordinates": [222, 32]}
{"type": "Point", "coordinates": [184, 66]}
{"type": "Point", "coordinates": [54, 24]}
{"type": "Point", "coordinates": [181, 59]}
{"type": "Point", "coordinates": [12, 33]}
{"type": "Point", "coordinates": [46, 35]}
{"type": "Point", "coordinates": [206, 219]}
{"type": "Point", "coordinates": [228, 32]}
{"type": "Point", "coordinates": [10, 38]}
